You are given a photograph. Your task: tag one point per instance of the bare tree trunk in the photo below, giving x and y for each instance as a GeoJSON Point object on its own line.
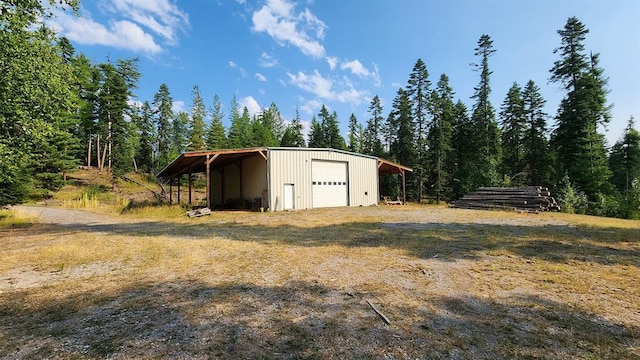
{"type": "Point", "coordinates": [98, 153]}
{"type": "Point", "coordinates": [109, 142]}
{"type": "Point", "coordinates": [89, 153]}
{"type": "Point", "coordinates": [104, 155]}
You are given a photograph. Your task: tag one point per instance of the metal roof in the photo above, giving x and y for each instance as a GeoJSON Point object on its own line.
{"type": "Point", "coordinates": [195, 161]}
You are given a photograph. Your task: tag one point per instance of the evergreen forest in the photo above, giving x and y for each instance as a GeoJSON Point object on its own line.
{"type": "Point", "coordinates": [59, 110]}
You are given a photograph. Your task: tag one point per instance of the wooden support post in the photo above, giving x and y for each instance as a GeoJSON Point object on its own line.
{"type": "Point", "coordinates": [404, 189]}
{"type": "Point", "coordinates": [179, 180]}
{"type": "Point", "coordinates": [171, 191]}
{"type": "Point", "coordinates": [208, 182]}
{"type": "Point", "coordinates": [190, 185]}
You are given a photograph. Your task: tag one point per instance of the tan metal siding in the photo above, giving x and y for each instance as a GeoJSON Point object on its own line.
{"type": "Point", "coordinates": [254, 177]}
{"type": "Point", "coordinates": [294, 167]}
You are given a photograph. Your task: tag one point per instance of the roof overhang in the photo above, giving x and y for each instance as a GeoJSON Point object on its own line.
{"type": "Point", "coordinates": [196, 161]}
{"type": "Point", "coordinates": [386, 167]}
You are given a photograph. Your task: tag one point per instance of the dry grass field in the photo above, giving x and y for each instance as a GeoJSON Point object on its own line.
{"type": "Point", "coordinates": [454, 284]}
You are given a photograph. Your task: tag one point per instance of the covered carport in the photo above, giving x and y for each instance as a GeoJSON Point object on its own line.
{"type": "Point", "coordinates": [386, 167]}
{"type": "Point", "coordinates": [225, 166]}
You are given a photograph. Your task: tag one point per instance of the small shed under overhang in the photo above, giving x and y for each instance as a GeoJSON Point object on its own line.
{"type": "Point", "coordinates": [206, 161]}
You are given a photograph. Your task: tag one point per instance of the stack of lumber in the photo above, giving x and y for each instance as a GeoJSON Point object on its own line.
{"type": "Point", "coordinates": [524, 198]}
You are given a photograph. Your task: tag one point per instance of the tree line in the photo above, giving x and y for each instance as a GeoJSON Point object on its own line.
{"type": "Point", "coordinates": [58, 110]}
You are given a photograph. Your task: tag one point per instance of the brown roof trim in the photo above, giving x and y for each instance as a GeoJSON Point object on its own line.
{"type": "Point", "coordinates": [194, 161]}
{"type": "Point", "coordinates": [386, 167]}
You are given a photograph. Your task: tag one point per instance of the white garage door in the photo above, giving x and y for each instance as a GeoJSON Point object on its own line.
{"type": "Point", "coordinates": [329, 182]}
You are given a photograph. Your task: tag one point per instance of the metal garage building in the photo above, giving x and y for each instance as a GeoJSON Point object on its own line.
{"type": "Point", "coordinates": [285, 178]}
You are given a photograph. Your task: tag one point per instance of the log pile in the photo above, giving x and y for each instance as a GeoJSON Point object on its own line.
{"type": "Point", "coordinates": [525, 198]}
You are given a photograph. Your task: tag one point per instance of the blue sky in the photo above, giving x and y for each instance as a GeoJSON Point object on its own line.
{"type": "Point", "coordinates": [304, 54]}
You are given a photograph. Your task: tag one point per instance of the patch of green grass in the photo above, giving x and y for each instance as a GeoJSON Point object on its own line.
{"type": "Point", "coordinates": [9, 219]}
{"type": "Point", "coordinates": [153, 209]}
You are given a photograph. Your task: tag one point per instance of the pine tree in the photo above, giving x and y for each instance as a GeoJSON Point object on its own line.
{"type": "Point", "coordinates": [331, 130]}
{"type": "Point", "coordinates": [179, 134]}
{"type": "Point", "coordinates": [389, 132]}
{"type": "Point", "coordinates": [163, 103]}
{"type": "Point", "coordinates": [625, 159]}
{"type": "Point", "coordinates": [273, 120]}
{"type": "Point", "coordinates": [269, 127]}
{"type": "Point", "coordinates": [537, 160]}
{"type": "Point", "coordinates": [513, 119]}
{"type": "Point", "coordinates": [439, 140]}
{"type": "Point", "coordinates": [87, 84]}
{"type": "Point", "coordinates": [240, 129]}
{"type": "Point", "coordinates": [579, 148]}
{"type": "Point", "coordinates": [624, 162]}
{"type": "Point", "coordinates": [403, 148]}
{"type": "Point", "coordinates": [465, 155]}
{"type": "Point", "coordinates": [146, 129]}
{"type": "Point", "coordinates": [486, 136]}
{"type": "Point", "coordinates": [196, 123]}
{"type": "Point", "coordinates": [372, 141]}
{"type": "Point", "coordinates": [573, 59]}
{"type": "Point", "coordinates": [418, 91]}
{"type": "Point", "coordinates": [355, 135]}
{"type": "Point", "coordinates": [316, 134]}
{"type": "Point", "coordinates": [292, 136]}
{"type": "Point", "coordinates": [37, 103]}
{"type": "Point", "coordinates": [324, 119]}
{"type": "Point", "coordinates": [114, 113]}
{"type": "Point", "coordinates": [216, 138]}
{"type": "Point", "coordinates": [326, 133]}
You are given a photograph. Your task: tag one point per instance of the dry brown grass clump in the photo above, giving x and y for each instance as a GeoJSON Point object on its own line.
{"type": "Point", "coordinates": [454, 284]}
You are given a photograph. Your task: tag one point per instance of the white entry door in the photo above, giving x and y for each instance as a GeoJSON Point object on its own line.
{"type": "Point", "coordinates": [330, 183]}
{"type": "Point", "coordinates": [288, 197]}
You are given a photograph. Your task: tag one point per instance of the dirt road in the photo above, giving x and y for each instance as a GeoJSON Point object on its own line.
{"type": "Point", "coordinates": [65, 217]}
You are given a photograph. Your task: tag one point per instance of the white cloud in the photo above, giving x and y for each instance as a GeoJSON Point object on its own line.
{"type": "Point", "coordinates": [120, 34]}
{"type": "Point", "coordinates": [243, 71]}
{"type": "Point", "coordinates": [278, 19]}
{"type": "Point", "coordinates": [313, 83]}
{"type": "Point", "coordinates": [139, 26]}
{"type": "Point", "coordinates": [325, 88]}
{"type": "Point", "coordinates": [267, 61]}
{"type": "Point", "coordinates": [332, 61]}
{"type": "Point", "coordinates": [160, 16]}
{"type": "Point", "coordinates": [251, 104]}
{"type": "Point", "coordinates": [260, 77]}
{"type": "Point", "coordinates": [311, 107]}
{"type": "Point", "coordinates": [356, 68]}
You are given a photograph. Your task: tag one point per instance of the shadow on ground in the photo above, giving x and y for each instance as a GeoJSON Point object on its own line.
{"type": "Point", "coordinates": [448, 242]}
{"type": "Point", "coordinates": [188, 319]}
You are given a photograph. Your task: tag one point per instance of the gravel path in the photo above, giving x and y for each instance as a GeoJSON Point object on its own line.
{"type": "Point", "coordinates": [65, 217]}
